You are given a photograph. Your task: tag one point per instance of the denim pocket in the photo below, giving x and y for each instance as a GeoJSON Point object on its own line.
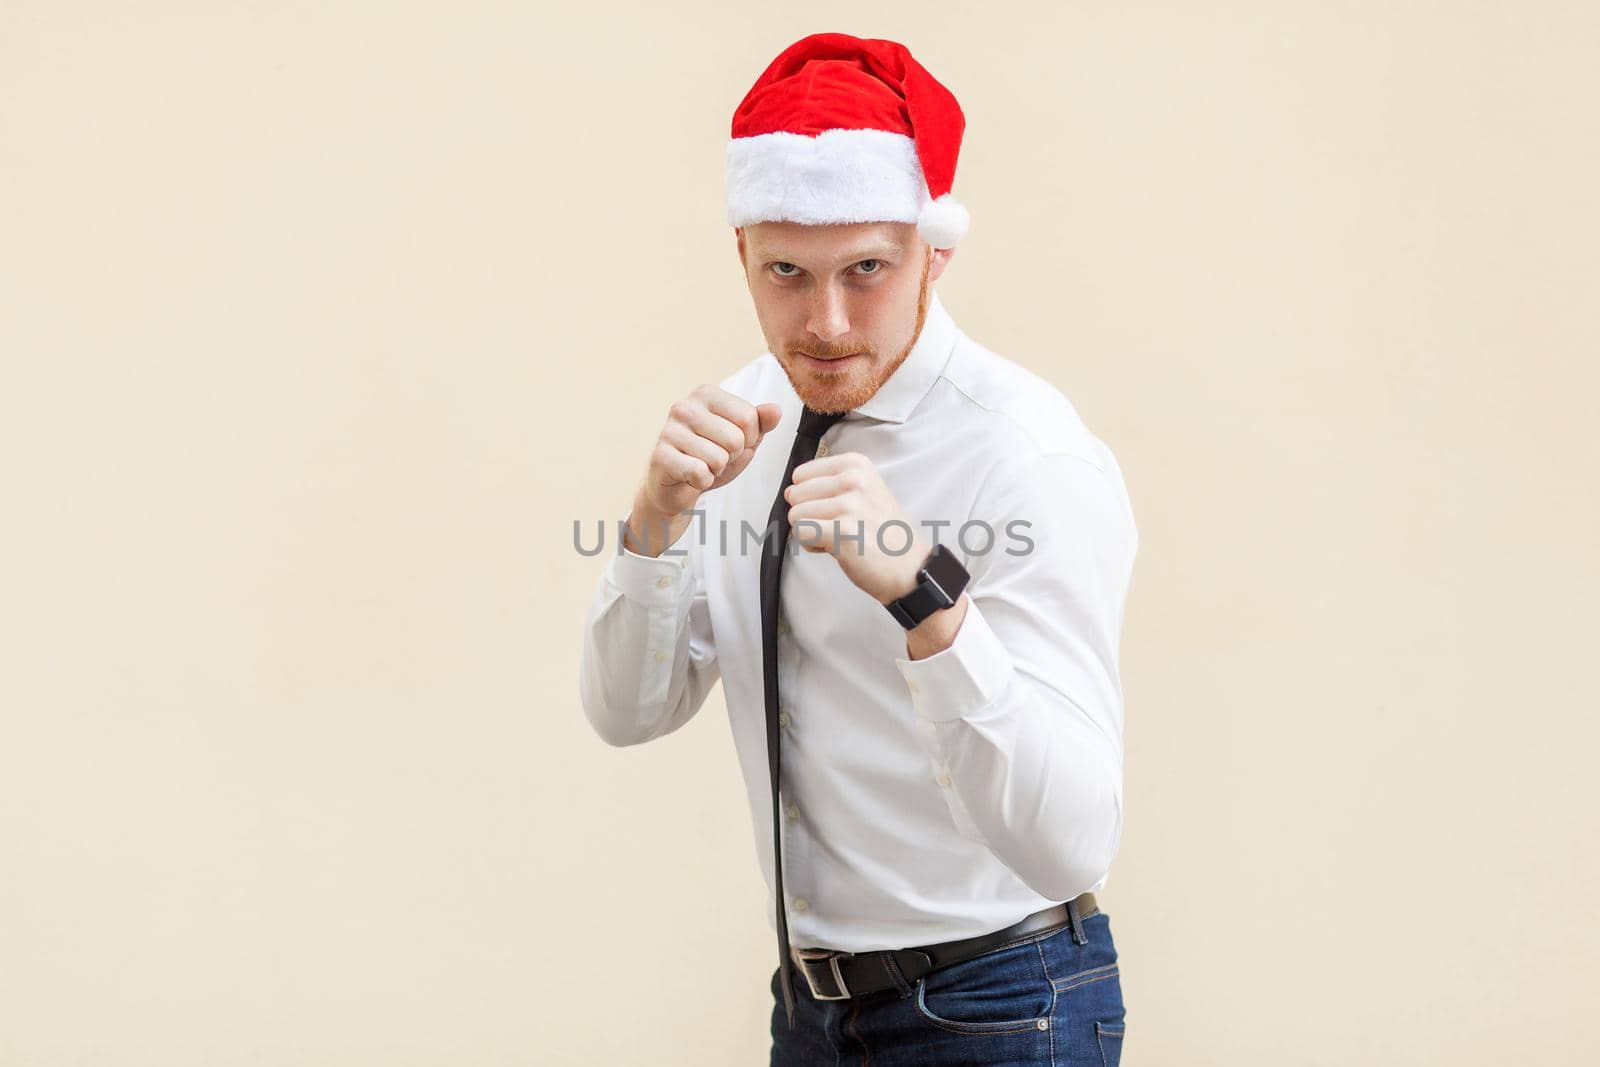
{"type": "Point", "coordinates": [1000, 992]}
{"type": "Point", "coordinates": [1110, 1041]}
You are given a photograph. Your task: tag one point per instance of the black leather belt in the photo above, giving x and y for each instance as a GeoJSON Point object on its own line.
{"type": "Point", "coordinates": [836, 975]}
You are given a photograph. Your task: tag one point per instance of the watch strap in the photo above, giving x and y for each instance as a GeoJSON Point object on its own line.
{"type": "Point", "coordinates": [930, 595]}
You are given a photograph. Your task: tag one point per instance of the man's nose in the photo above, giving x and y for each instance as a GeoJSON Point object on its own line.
{"type": "Point", "coordinates": [828, 320]}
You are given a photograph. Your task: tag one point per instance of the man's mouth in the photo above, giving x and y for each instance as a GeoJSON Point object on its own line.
{"type": "Point", "coordinates": [836, 361]}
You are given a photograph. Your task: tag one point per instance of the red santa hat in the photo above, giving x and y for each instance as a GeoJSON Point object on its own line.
{"type": "Point", "coordinates": [846, 129]}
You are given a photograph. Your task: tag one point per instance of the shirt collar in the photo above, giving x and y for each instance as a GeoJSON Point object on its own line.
{"type": "Point", "coordinates": [897, 397]}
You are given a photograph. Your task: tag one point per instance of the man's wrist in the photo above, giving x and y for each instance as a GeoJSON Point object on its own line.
{"type": "Point", "coordinates": [937, 632]}
{"type": "Point", "coordinates": [912, 560]}
{"type": "Point", "coordinates": [648, 533]}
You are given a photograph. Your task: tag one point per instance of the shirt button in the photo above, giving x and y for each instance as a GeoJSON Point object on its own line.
{"type": "Point", "coordinates": [661, 656]}
{"type": "Point", "coordinates": [944, 780]}
{"type": "Point", "coordinates": [913, 687]}
{"type": "Point", "coordinates": [664, 581]}
{"type": "Point", "coordinates": [792, 811]}
{"type": "Point", "coordinates": [783, 718]}
{"type": "Point", "coordinates": [783, 626]}
{"type": "Point", "coordinates": [801, 904]}
{"type": "Point", "coordinates": [822, 449]}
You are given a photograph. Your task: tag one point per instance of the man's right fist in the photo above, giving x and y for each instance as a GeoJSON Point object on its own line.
{"type": "Point", "coordinates": [710, 437]}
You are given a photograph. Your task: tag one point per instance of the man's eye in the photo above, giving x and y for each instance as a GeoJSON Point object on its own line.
{"type": "Point", "coordinates": [877, 264]}
{"type": "Point", "coordinates": [781, 273]}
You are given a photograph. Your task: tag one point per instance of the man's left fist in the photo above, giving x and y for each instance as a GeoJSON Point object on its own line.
{"type": "Point", "coordinates": [843, 503]}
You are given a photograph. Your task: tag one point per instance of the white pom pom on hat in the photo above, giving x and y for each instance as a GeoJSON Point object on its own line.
{"type": "Point", "coordinates": [943, 222]}
{"type": "Point", "coordinates": [843, 129]}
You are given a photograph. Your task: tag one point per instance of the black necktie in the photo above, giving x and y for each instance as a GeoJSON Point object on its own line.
{"type": "Point", "coordinates": [813, 424]}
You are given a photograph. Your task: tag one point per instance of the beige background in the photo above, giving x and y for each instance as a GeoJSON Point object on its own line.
{"type": "Point", "coordinates": [322, 323]}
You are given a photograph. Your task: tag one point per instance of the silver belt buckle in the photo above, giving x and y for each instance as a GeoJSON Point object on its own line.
{"type": "Point", "coordinates": [806, 956]}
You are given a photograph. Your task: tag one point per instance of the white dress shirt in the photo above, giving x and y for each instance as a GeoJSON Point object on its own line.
{"type": "Point", "coordinates": [924, 800]}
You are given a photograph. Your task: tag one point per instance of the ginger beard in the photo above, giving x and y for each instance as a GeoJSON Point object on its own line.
{"type": "Point", "coordinates": [849, 387]}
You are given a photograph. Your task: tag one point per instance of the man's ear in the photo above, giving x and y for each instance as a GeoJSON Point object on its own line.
{"type": "Point", "coordinates": [738, 240]}
{"type": "Point", "coordinates": [940, 259]}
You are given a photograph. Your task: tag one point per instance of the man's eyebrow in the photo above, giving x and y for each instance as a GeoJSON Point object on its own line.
{"type": "Point", "coordinates": [855, 255]}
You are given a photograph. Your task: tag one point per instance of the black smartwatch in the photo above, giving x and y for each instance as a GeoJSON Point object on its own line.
{"type": "Point", "coordinates": [939, 583]}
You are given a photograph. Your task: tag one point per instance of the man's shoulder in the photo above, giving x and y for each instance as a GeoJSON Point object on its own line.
{"type": "Point", "coordinates": [1028, 412]}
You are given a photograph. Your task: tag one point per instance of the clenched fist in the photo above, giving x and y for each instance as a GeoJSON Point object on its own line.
{"type": "Point", "coordinates": [711, 436]}
{"type": "Point", "coordinates": [839, 504]}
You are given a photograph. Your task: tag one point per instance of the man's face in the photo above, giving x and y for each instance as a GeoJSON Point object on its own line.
{"type": "Point", "coordinates": [840, 306]}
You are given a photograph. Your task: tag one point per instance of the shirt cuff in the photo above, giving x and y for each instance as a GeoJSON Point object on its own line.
{"type": "Point", "coordinates": [654, 581]}
{"type": "Point", "coordinates": [969, 675]}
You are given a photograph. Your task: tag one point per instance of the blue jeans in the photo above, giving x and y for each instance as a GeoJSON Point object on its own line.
{"type": "Point", "coordinates": [1048, 1000]}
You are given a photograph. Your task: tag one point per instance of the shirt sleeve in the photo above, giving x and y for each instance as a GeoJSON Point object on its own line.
{"type": "Point", "coordinates": [1022, 715]}
{"type": "Point", "coordinates": [648, 656]}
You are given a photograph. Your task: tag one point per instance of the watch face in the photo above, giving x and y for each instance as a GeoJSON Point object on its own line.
{"type": "Point", "coordinates": [945, 569]}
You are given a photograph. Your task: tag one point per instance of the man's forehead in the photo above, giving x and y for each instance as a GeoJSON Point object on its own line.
{"type": "Point", "coordinates": [832, 243]}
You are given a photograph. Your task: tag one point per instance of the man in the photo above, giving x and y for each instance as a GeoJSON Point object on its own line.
{"type": "Point", "coordinates": [925, 702]}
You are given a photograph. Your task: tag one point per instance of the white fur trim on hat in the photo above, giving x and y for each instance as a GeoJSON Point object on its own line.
{"type": "Point", "coordinates": [836, 176]}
